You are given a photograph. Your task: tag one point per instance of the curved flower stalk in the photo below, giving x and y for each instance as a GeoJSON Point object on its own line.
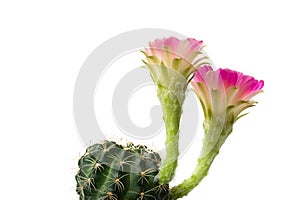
{"type": "Point", "coordinates": [171, 62]}
{"type": "Point", "coordinates": [223, 94]}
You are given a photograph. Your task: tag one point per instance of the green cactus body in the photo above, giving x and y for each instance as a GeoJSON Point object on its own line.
{"type": "Point", "coordinates": [109, 171]}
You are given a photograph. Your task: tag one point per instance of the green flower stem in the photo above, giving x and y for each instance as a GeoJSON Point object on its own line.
{"type": "Point", "coordinates": [172, 113]}
{"type": "Point", "coordinates": [200, 172]}
{"type": "Point", "coordinates": [213, 130]}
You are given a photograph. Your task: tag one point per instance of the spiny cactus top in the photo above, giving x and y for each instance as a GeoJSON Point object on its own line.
{"type": "Point", "coordinates": [113, 172]}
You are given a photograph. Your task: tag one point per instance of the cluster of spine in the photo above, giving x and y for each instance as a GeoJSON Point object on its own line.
{"type": "Point", "coordinates": [109, 171]}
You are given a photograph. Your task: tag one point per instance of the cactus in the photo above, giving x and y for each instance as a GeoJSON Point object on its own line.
{"type": "Point", "coordinates": [109, 171]}
{"type": "Point", "coordinates": [114, 172]}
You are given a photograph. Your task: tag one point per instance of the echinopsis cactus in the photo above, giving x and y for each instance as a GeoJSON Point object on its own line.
{"type": "Point", "coordinates": [110, 171]}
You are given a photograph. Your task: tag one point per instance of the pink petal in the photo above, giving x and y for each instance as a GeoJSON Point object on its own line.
{"type": "Point", "coordinates": [214, 81]}
{"type": "Point", "coordinates": [229, 77]}
{"type": "Point", "coordinates": [200, 74]}
{"type": "Point", "coordinates": [261, 84]}
{"type": "Point", "coordinates": [194, 44]}
{"type": "Point", "coordinates": [157, 44]}
{"type": "Point", "coordinates": [172, 43]}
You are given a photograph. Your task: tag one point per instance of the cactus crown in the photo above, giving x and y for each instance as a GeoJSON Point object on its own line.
{"type": "Point", "coordinates": [114, 172]}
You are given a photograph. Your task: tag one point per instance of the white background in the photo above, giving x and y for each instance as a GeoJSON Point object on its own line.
{"type": "Point", "coordinates": [43, 45]}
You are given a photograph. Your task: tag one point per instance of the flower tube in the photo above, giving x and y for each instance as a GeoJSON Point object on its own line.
{"type": "Point", "coordinates": [224, 94]}
{"type": "Point", "coordinates": [171, 63]}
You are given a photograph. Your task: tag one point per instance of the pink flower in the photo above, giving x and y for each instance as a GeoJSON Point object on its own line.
{"type": "Point", "coordinates": [225, 90]}
{"type": "Point", "coordinates": [174, 53]}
